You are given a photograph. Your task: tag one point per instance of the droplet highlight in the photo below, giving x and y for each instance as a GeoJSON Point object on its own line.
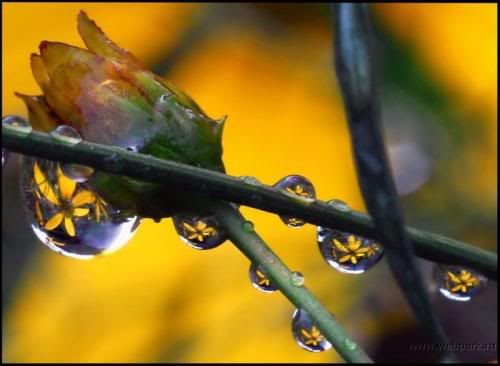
{"type": "Point", "coordinates": [339, 205]}
{"type": "Point", "coordinates": [301, 189]}
{"type": "Point", "coordinates": [459, 284]}
{"type": "Point", "coordinates": [5, 156]}
{"type": "Point", "coordinates": [199, 232]}
{"type": "Point", "coordinates": [349, 253]}
{"type": "Point", "coordinates": [260, 280]}
{"type": "Point", "coordinates": [69, 217]}
{"type": "Point", "coordinates": [250, 180]}
{"type": "Point", "coordinates": [248, 226]}
{"type": "Point", "coordinates": [297, 279]}
{"type": "Point", "coordinates": [17, 124]}
{"type": "Point", "coordinates": [307, 334]}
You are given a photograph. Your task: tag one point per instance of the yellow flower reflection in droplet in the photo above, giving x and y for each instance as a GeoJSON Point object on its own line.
{"type": "Point", "coordinates": [352, 251]}
{"type": "Point", "coordinates": [313, 337]}
{"type": "Point", "coordinates": [461, 282]}
{"type": "Point", "coordinates": [199, 231]}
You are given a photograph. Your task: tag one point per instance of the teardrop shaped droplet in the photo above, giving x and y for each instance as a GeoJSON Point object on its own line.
{"type": "Point", "coordinates": [349, 253]}
{"type": "Point", "coordinates": [297, 279]}
{"type": "Point", "coordinates": [17, 124]}
{"type": "Point", "coordinates": [300, 188]}
{"type": "Point", "coordinates": [307, 333]}
{"type": "Point", "coordinates": [339, 205]}
{"type": "Point", "coordinates": [5, 156]}
{"type": "Point", "coordinates": [250, 180]}
{"type": "Point", "coordinates": [260, 280]}
{"type": "Point", "coordinates": [458, 283]}
{"type": "Point", "coordinates": [68, 217]}
{"type": "Point", "coordinates": [199, 232]}
{"type": "Point", "coordinates": [66, 134]}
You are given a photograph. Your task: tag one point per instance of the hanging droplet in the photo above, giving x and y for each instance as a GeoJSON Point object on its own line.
{"type": "Point", "coordinates": [250, 180]}
{"type": "Point", "coordinates": [199, 232]}
{"type": "Point", "coordinates": [260, 280]}
{"type": "Point", "coordinates": [300, 188]}
{"type": "Point", "coordinates": [69, 217]}
{"type": "Point", "coordinates": [339, 205]}
{"type": "Point", "coordinates": [459, 284]}
{"type": "Point", "coordinates": [248, 226]}
{"type": "Point", "coordinates": [307, 334]}
{"type": "Point", "coordinates": [17, 124]}
{"type": "Point", "coordinates": [5, 156]}
{"type": "Point", "coordinates": [297, 279]}
{"type": "Point", "coordinates": [66, 134]}
{"type": "Point", "coordinates": [349, 253]}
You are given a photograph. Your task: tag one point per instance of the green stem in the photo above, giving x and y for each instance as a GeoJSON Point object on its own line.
{"type": "Point", "coordinates": [354, 64]}
{"type": "Point", "coordinates": [119, 161]}
{"type": "Point", "coordinates": [255, 249]}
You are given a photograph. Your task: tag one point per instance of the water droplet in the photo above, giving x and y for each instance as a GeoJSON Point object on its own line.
{"type": "Point", "coordinates": [299, 188]}
{"type": "Point", "coordinates": [260, 280]}
{"type": "Point", "coordinates": [307, 333]}
{"type": "Point", "coordinates": [68, 217]}
{"type": "Point", "coordinates": [5, 156]}
{"type": "Point", "coordinates": [297, 279]}
{"type": "Point", "coordinates": [250, 180]}
{"type": "Point", "coordinates": [339, 205]}
{"type": "Point", "coordinates": [199, 232]}
{"type": "Point", "coordinates": [350, 345]}
{"type": "Point", "coordinates": [17, 124]}
{"type": "Point", "coordinates": [76, 172]}
{"type": "Point", "coordinates": [66, 134]}
{"type": "Point", "coordinates": [248, 226]}
{"type": "Point", "coordinates": [349, 253]}
{"type": "Point", "coordinates": [459, 284]}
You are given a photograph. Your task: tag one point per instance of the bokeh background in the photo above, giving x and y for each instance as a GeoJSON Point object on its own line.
{"type": "Point", "coordinates": [269, 68]}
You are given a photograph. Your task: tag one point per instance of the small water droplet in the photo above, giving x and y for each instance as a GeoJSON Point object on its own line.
{"type": "Point", "coordinates": [307, 334]}
{"type": "Point", "coordinates": [350, 345]}
{"type": "Point", "coordinates": [250, 180]}
{"type": "Point", "coordinates": [76, 172]}
{"type": "Point", "coordinates": [339, 205]}
{"type": "Point", "coordinates": [17, 124]}
{"type": "Point", "coordinates": [260, 280]}
{"type": "Point", "coordinates": [5, 156]}
{"type": "Point", "coordinates": [199, 232]}
{"type": "Point", "coordinates": [248, 226]}
{"type": "Point", "coordinates": [69, 217]}
{"type": "Point", "coordinates": [458, 283]}
{"type": "Point", "coordinates": [66, 134]}
{"type": "Point", "coordinates": [297, 279]}
{"type": "Point", "coordinates": [301, 189]}
{"type": "Point", "coordinates": [349, 253]}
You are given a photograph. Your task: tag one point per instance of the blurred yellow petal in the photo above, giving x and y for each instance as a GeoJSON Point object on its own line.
{"type": "Point", "coordinates": [66, 186]}
{"type": "Point", "coordinates": [78, 212]}
{"type": "Point", "coordinates": [68, 225]}
{"type": "Point", "coordinates": [40, 116]}
{"type": "Point", "coordinates": [43, 184]}
{"type": "Point", "coordinates": [54, 221]}
{"type": "Point", "coordinates": [83, 197]}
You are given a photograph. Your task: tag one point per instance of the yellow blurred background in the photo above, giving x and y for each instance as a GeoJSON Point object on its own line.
{"type": "Point", "coordinates": [269, 68]}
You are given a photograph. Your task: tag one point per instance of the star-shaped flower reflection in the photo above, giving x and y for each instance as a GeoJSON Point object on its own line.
{"type": "Point", "coordinates": [68, 204]}
{"type": "Point", "coordinates": [461, 282]}
{"type": "Point", "coordinates": [299, 190]}
{"type": "Point", "coordinates": [313, 337]}
{"type": "Point", "coordinates": [352, 251]}
{"type": "Point", "coordinates": [262, 279]}
{"type": "Point", "coordinates": [199, 231]}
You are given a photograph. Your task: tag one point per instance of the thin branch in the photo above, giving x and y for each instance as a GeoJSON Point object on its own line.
{"type": "Point", "coordinates": [252, 246]}
{"type": "Point", "coordinates": [354, 64]}
{"type": "Point", "coordinates": [119, 161]}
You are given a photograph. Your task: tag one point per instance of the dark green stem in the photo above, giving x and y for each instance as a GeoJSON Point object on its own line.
{"type": "Point", "coordinates": [354, 61]}
{"type": "Point", "coordinates": [255, 249]}
{"type": "Point", "coordinates": [114, 160]}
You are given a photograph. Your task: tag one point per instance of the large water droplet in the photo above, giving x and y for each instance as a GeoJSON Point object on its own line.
{"type": "Point", "coordinates": [260, 280]}
{"type": "Point", "coordinates": [299, 188]}
{"type": "Point", "coordinates": [297, 279]}
{"type": "Point", "coordinates": [349, 253]}
{"type": "Point", "coordinates": [66, 134]}
{"type": "Point", "coordinates": [199, 232]}
{"type": "Point", "coordinates": [307, 333]}
{"type": "Point", "coordinates": [68, 217]}
{"type": "Point", "coordinates": [17, 124]}
{"type": "Point", "coordinates": [459, 284]}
